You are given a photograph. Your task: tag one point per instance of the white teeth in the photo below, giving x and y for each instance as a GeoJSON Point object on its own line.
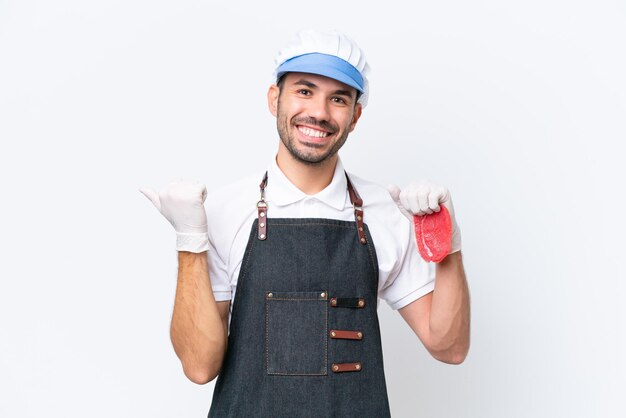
{"type": "Point", "coordinates": [312, 132]}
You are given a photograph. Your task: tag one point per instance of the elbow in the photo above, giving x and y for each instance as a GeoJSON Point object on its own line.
{"type": "Point", "coordinates": [454, 358]}
{"type": "Point", "coordinates": [200, 368]}
{"type": "Point", "coordinates": [200, 375]}
{"type": "Point", "coordinates": [454, 355]}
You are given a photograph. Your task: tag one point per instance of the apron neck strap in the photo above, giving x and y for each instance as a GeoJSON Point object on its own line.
{"type": "Point", "coordinates": [355, 199]}
{"type": "Point", "coordinates": [262, 211]}
{"type": "Point", "coordinates": [357, 204]}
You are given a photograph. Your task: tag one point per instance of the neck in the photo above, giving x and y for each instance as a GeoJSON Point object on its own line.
{"type": "Point", "coordinates": [309, 178]}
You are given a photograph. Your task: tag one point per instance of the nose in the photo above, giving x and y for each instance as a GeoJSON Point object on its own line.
{"type": "Point", "coordinates": [319, 108]}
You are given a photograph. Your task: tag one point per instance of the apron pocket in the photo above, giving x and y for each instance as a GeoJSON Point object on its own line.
{"type": "Point", "coordinates": [296, 332]}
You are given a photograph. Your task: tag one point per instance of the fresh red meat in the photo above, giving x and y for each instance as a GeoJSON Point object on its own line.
{"type": "Point", "coordinates": [433, 234]}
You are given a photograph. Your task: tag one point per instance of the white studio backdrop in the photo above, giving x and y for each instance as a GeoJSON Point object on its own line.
{"type": "Point", "coordinates": [517, 107]}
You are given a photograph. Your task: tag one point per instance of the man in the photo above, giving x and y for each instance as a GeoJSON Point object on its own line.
{"type": "Point", "coordinates": [278, 296]}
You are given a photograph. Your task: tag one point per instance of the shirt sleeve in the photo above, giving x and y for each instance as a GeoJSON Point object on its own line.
{"type": "Point", "coordinates": [218, 267]}
{"type": "Point", "coordinates": [410, 276]}
{"type": "Point", "coordinates": [218, 274]}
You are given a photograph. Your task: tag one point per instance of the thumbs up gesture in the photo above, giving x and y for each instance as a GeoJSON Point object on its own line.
{"type": "Point", "coordinates": [181, 202]}
{"type": "Point", "coordinates": [423, 198]}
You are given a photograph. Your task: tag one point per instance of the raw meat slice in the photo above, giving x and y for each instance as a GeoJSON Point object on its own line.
{"type": "Point", "coordinates": [433, 234]}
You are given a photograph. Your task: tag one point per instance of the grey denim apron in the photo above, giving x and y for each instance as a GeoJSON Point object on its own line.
{"type": "Point", "coordinates": [304, 334]}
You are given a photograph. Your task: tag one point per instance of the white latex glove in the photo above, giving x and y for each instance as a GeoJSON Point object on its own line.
{"type": "Point", "coordinates": [182, 204]}
{"type": "Point", "coordinates": [423, 197]}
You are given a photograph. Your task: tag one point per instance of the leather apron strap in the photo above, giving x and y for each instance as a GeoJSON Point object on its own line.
{"type": "Point", "coordinates": [355, 199]}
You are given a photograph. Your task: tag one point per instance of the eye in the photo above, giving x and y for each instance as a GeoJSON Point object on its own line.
{"type": "Point", "coordinates": [304, 91]}
{"type": "Point", "coordinates": [338, 99]}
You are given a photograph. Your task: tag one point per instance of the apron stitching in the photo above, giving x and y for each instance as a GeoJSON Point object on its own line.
{"type": "Point", "coordinates": [244, 269]}
{"type": "Point", "coordinates": [372, 258]}
{"type": "Point", "coordinates": [245, 266]}
{"type": "Point", "coordinates": [316, 224]}
{"type": "Point", "coordinates": [325, 341]}
{"type": "Point", "coordinates": [267, 341]}
{"type": "Point", "coordinates": [326, 337]}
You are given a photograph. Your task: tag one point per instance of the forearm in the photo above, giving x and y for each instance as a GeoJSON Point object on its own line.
{"type": "Point", "coordinates": [449, 320]}
{"type": "Point", "coordinates": [197, 330]}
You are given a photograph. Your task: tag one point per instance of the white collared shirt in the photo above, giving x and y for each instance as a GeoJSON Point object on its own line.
{"type": "Point", "coordinates": [403, 275]}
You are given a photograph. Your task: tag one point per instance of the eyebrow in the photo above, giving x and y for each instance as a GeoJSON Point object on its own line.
{"type": "Point", "coordinates": [307, 83]}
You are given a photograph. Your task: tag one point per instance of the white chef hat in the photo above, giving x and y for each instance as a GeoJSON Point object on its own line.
{"type": "Point", "coordinates": [328, 53]}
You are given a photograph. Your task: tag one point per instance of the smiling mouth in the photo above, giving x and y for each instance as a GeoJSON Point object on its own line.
{"type": "Point", "coordinates": [313, 133]}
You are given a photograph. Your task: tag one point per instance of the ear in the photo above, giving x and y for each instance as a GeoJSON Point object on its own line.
{"type": "Point", "coordinates": [272, 99]}
{"type": "Point", "coordinates": [358, 109]}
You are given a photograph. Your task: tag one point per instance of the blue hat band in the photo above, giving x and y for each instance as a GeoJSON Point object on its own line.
{"type": "Point", "coordinates": [326, 65]}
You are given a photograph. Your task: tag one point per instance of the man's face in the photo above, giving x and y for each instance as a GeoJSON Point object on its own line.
{"type": "Point", "coordinates": [314, 115]}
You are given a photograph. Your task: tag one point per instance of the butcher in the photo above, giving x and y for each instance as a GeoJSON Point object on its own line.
{"type": "Point", "coordinates": [280, 273]}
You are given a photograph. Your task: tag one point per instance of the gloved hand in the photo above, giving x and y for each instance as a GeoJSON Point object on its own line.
{"type": "Point", "coordinates": [182, 204]}
{"type": "Point", "coordinates": [423, 197]}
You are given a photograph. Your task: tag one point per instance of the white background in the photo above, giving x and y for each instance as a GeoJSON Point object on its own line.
{"type": "Point", "coordinates": [517, 107]}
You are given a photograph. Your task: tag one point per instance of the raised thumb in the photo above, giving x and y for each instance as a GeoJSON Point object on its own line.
{"type": "Point", "coordinates": [394, 192]}
{"type": "Point", "coordinates": [152, 195]}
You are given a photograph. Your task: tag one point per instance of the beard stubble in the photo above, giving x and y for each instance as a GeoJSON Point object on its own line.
{"type": "Point", "coordinates": [290, 142]}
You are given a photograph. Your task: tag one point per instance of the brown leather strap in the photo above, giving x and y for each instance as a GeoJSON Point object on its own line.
{"type": "Point", "coordinates": [355, 199]}
{"type": "Point", "coordinates": [346, 334]}
{"type": "Point", "coordinates": [346, 367]}
{"type": "Point", "coordinates": [262, 209]}
{"type": "Point", "coordinates": [357, 203]}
